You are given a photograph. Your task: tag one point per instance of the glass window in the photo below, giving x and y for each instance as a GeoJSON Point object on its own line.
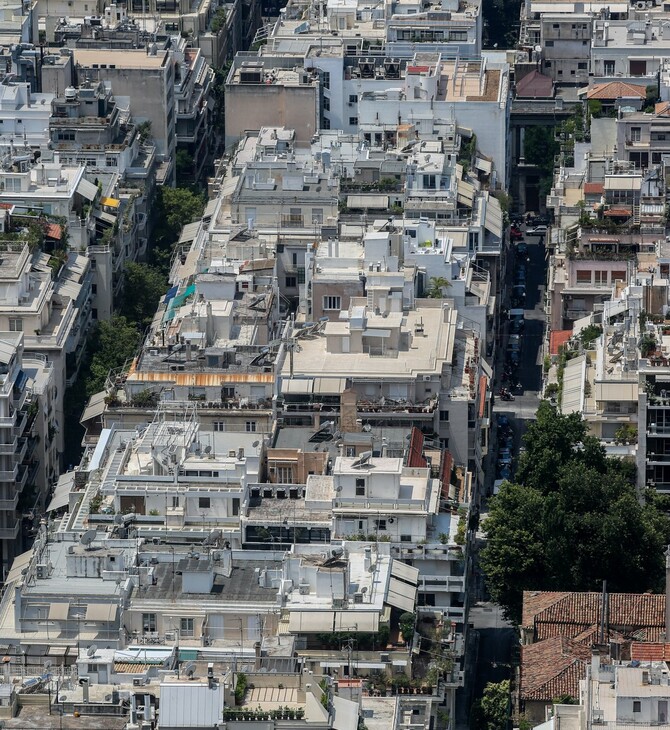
{"type": "Point", "coordinates": [331, 303]}
{"type": "Point", "coordinates": [149, 622]}
{"type": "Point", "coordinates": [204, 502]}
{"type": "Point", "coordinates": [186, 627]}
{"type": "Point", "coordinates": [15, 324]}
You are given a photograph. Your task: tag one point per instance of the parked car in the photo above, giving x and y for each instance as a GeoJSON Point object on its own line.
{"type": "Point", "coordinates": [522, 248]}
{"type": "Point", "coordinates": [520, 276]}
{"type": "Point", "coordinates": [515, 234]}
{"type": "Point", "coordinates": [516, 326]}
{"type": "Point", "coordinates": [537, 231]}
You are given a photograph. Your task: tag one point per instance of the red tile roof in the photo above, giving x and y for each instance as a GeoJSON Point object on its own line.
{"type": "Point", "coordinates": [636, 615]}
{"type": "Point", "coordinates": [650, 652]}
{"type": "Point", "coordinates": [619, 211]}
{"type": "Point", "coordinates": [616, 90]}
{"type": "Point", "coordinates": [558, 338]}
{"type": "Point", "coordinates": [552, 668]}
{"type": "Point", "coordinates": [53, 230]}
{"type": "Point", "coordinates": [593, 188]}
{"type": "Point", "coordinates": [535, 85]}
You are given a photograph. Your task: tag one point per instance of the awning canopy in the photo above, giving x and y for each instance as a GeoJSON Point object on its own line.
{"type": "Point", "coordinates": [357, 621]}
{"type": "Point", "coordinates": [58, 611]}
{"type": "Point", "coordinates": [311, 622]}
{"type": "Point", "coordinates": [401, 595]}
{"type": "Point", "coordinates": [189, 232]}
{"type": "Point", "coordinates": [87, 189]}
{"type": "Point", "coordinates": [95, 407]}
{"type": "Point", "coordinates": [329, 386]}
{"type": "Point", "coordinates": [368, 201]}
{"type": "Point", "coordinates": [106, 218]}
{"type": "Point", "coordinates": [465, 193]}
{"type": "Point", "coordinates": [110, 202]}
{"type": "Point", "coordinates": [299, 386]}
{"type": "Point", "coordinates": [573, 385]}
{"type": "Point", "coordinates": [61, 496]}
{"type": "Point", "coordinates": [493, 220]}
{"type": "Point", "coordinates": [19, 564]}
{"type": "Point", "coordinates": [405, 572]}
{"type": "Point", "coordinates": [101, 611]}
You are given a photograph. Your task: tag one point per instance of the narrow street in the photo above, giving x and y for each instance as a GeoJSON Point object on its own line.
{"type": "Point", "coordinates": [492, 642]}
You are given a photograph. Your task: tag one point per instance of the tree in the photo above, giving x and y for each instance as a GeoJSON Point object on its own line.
{"type": "Point", "coordinates": [113, 342]}
{"type": "Point", "coordinates": [184, 164]}
{"type": "Point", "coordinates": [492, 711]}
{"type": "Point", "coordinates": [437, 286]}
{"type": "Point", "coordinates": [143, 286]}
{"type": "Point", "coordinates": [218, 20]}
{"type": "Point", "coordinates": [572, 520]}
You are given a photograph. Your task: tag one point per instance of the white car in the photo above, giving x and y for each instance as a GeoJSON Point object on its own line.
{"type": "Point", "coordinates": [537, 231]}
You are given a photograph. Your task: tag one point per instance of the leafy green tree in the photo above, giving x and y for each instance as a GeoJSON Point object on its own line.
{"type": "Point", "coordinates": [143, 286]}
{"type": "Point", "coordinates": [184, 164]}
{"type": "Point", "coordinates": [572, 520]}
{"type": "Point", "coordinates": [113, 342]}
{"type": "Point", "coordinates": [492, 711]}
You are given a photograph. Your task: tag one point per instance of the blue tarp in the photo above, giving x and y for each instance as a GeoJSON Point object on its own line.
{"type": "Point", "coordinates": [170, 293]}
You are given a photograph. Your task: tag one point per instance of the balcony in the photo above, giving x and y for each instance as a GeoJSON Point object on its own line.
{"type": "Point", "coordinates": [10, 533]}
{"type": "Point", "coordinates": [9, 505]}
{"type": "Point", "coordinates": [658, 430]}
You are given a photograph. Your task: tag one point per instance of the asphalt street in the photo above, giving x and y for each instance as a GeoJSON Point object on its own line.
{"type": "Point", "coordinates": [492, 642]}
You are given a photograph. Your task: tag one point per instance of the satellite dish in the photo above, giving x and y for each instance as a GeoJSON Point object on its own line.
{"type": "Point", "coordinates": [538, 49]}
{"type": "Point", "coordinates": [255, 443]}
{"type": "Point", "coordinates": [91, 650]}
{"type": "Point", "coordinates": [337, 553]}
{"type": "Point", "coordinates": [208, 449]}
{"type": "Point", "coordinates": [118, 519]}
{"type": "Point", "coordinates": [367, 428]}
{"type": "Point", "coordinates": [47, 664]}
{"type": "Point", "coordinates": [189, 669]}
{"type": "Point", "coordinates": [364, 589]}
{"type": "Point", "coordinates": [213, 536]}
{"type": "Point", "coordinates": [88, 537]}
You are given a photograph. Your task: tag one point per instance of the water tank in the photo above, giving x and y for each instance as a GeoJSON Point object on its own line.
{"type": "Point", "coordinates": [70, 93]}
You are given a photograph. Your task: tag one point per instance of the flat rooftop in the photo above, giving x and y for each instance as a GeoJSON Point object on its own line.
{"type": "Point", "coordinates": [121, 59]}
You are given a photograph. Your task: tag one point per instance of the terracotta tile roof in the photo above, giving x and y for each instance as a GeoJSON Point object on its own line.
{"type": "Point", "coordinates": [616, 90]}
{"type": "Point", "coordinates": [535, 85]}
{"type": "Point", "coordinates": [53, 230]}
{"type": "Point", "coordinates": [662, 108]}
{"type": "Point", "coordinates": [619, 211]}
{"type": "Point", "coordinates": [650, 652]}
{"type": "Point", "coordinates": [558, 338]}
{"type": "Point", "coordinates": [551, 668]}
{"type": "Point", "coordinates": [636, 615]}
{"type": "Point", "coordinates": [593, 188]}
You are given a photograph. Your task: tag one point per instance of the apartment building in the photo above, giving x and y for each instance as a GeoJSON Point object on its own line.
{"type": "Point", "coordinates": [148, 80]}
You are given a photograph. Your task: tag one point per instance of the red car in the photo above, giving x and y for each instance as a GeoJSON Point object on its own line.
{"type": "Point", "coordinates": [515, 234]}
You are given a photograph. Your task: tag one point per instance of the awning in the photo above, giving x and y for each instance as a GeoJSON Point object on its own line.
{"type": "Point", "coordinates": [57, 651]}
{"type": "Point", "coordinates": [61, 496]}
{"type": "Point", "coordinates": [210, 208]}
{"type": "Point", "coordinates": [189, 232]}
{"type": "Point", "coordinates": [399, 662]}
{"type": "Point", "coordinates": [20, 563]}
{"type": "Point", "coordinates": [357, 621]}
{"type": "Point", "coordinates": [493, 219]}
{"type": "Point", "coordinates": [368, 201]}
{"type": "Point", "coordinates": [311, 622]}
{"type": "Point", "coordinates": [465, 193]}
{"type": "Point", "coordinates": [297, 386]}
{"type": "Point", "coordinates": [58, 611]}
{"type": "Point", "coordinates": [369, 665]}
{"type": "Point", "coordinates": [171, 292]}
{"type": "Point", "coordinates": [623, 182]}
{"type": "Point", "coordinates": [405, 572]}
{"type": "Point", "coordinates": [105, 217]}
{"type": "Point", "coordinates": [101, 611]}
{"type": "Point", "coordinates": [401, 595]}
{"type": "Point", "coordinates": [95, 406]}
{"type": "Point", "coordinates": [87, 189]}
{"type": "Point", "coordinates": [110, 202]}
{"type": "Point", "coordinates": [574, 377]}
{"type": "Point", "coordinates": [484, 165]}
{"type": "Point", "coordinates": [329, 386]}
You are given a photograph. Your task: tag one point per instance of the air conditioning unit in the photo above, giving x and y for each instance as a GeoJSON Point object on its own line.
{"type": "Point", "coordinates": [303, 589]}
{"type": "Point", "coordinates": [426, 377]}
{"type": "Point", "coordinates": [138, 681]}
{"type": "Point", "coordinates": [358, 597]}
{"type": "Point", "coordinates": [169, 636]}
{"type": "Point", "coordinates": [42, 570]}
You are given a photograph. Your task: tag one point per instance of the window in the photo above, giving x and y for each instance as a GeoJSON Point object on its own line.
{"type": "Point", "coordinates": [94, 288]}
{"type": "Point", "coordinates": [353, 98]}
{"type": "Point", "coordinates": [227, 392]}
{"type": "Point", "coordinates": [186, 627]}
{"type": "Point", "coordinates": [458, 35]}
{"type": "Point", "coordinates": [331, 303]}
{"type": "Point", "coordinates": [618, 276]}
{"type": "Point", "coordinates": [582, 65]}
{"type": "Point", "coordinates": [295, 216]}
{"type": "Point", "coordinates": [15, 324]}
{"type": "Point", "coordinates": [149, 622]}
{"type": "Point", "coordinates": [204, 502]}
{"type": "Point", "coordinates": [93, 264]}
{"type": "Point", "coordinates": [326, 104]}
{"type": "Point", "coordinates": [360, 487]}
{"type": "Point", "coordinates": [325, 79]}
{"type": "Point", "coordinates": [317, 216]}
{"type": "Point", "coordinates": [444, 415]}
{"type": "Point", "coordinates": [583, 277]}
{"type": "Point", "coordinates": [600, 277]}
{"type": "Point", "coordinates": [405, 538]}
{"type": "Point", "coordinates": [637, 706]}
{"type": "Point", "coordinates": [353, 121]}
{"type": "Point", "coordinates": [635, 134]}
{"type": "Point", "coordinates": [112, 161]}
{"type": "Point", "coordinates": [219, 426]}
{"type": "Point", "coordinates": [175, 502]}
{"type": "Point", "coordinates": [94, 313]}
{"type": "Point", "coordinates": [284, 475]}
{"type": "Point", "coordinates": [291, 282]}
{"type": "Point", "coordinates": [325, 123]}
{"type": "Point", "coordinates": [350, 451]}
{"type": "Point", "coordinates": [251, 426]}
{"type": "Point", "coordinates": [549, 44]}
{"type": "Point", "coordinates": [92, 669]}
{"type": "Point", "coordinates": [380, 524]}
{"type": "Point", "coordinates": [608, 68]}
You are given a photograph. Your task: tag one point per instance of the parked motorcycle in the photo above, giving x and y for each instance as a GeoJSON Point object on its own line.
{"type": "Point", "coordinates": [506, 395]}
